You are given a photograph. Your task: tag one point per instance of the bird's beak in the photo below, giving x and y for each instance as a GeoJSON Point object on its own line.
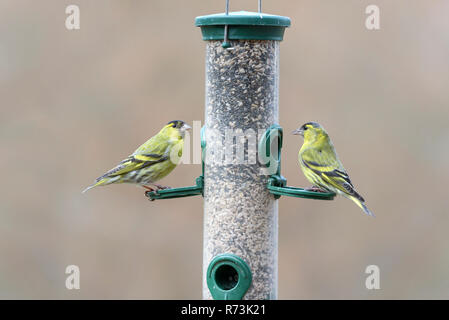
{"type": "Point", "coordinates": [298, 132]}
{"type": "Point", "coordinates": [186, 127]}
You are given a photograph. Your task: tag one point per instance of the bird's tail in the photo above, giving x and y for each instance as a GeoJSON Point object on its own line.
{"type": "Point", "coordinates": [100, 182]}
{"type": "Point", "coordinates": [90, 187]}
{"type": "Point", "coordinates": [362, 205]}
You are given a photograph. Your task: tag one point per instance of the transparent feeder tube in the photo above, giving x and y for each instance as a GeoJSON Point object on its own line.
{"type": "Point", "coordinates": [240, 215]}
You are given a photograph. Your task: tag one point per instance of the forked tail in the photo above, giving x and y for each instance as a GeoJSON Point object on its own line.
{"type": "Point", "coordinates": [362, 205]}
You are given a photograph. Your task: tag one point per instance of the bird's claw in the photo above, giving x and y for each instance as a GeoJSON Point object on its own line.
{"type": "Point", "coordinates": [155, 188]}
{"type": "Point", "coordinates": [147, 194]}
{"type": "Point", "coordinates": [161, 187]}
{"type": "Point", "coordinates": [150, 189]}
{"type": "Point", "coordinates": [316, 189]}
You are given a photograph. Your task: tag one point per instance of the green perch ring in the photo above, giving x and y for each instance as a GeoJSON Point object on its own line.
{"type": "Point", "coordinates": [277, 184]}
{"type": "Point", "coordinates": [182, 192]}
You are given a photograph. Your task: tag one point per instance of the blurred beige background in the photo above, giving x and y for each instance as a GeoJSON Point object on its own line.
{"type": "Point", "coordinates": [74, 103]}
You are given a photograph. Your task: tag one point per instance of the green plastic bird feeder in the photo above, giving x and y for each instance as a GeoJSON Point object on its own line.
{"type": "Point", "coordinates": [242, 89]}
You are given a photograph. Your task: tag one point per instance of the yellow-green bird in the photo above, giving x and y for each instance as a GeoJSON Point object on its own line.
{"type": "Point", "coordinates": [152, 161]}
{"type": "Point", "coordinates": [320, 164]}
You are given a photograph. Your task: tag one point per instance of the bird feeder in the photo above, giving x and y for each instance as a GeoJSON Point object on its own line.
{"type": "Point", "coordinates": [242, 84]}
{"type": "Point", "coordinates": [241, 153]}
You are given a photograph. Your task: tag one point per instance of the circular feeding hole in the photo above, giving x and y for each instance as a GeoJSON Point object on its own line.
{"type": "Point", "coordinates": [226, 277]}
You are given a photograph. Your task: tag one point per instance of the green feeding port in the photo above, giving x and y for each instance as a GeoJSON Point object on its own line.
{"type": "Point", "coordinates": [270, 146]}
{"type": "Point", "coordinates": [228, 277]}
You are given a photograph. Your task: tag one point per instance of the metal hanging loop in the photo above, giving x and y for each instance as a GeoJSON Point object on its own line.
{"type": "Point", "coordinates": [226, 43]}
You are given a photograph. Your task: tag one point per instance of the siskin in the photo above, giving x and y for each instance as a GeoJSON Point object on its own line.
{"type": "Point", "coordinates": [320, 164]}
{"type": "Point", "coordinates": [152, 161]}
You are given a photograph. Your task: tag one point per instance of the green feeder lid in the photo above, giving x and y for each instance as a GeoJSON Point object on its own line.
{"type": "Point", "coordinates": [243, 25]}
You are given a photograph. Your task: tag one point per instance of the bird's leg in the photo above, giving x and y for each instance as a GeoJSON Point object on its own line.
{"type": "Point", "coordinates": [150, 189]}
{"type": "Point", "coordinates": [316, 189]}
{"type": "Point", "coordinates": [160, 187]}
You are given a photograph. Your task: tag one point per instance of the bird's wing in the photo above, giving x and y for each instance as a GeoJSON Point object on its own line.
{"type": "Point", "coordinates": [134, 162]}
{"type": "Point", "coordinates": [325, 163]}
{"type": "Point", "coordinates": [321, 160]}
{"type": "Point", "coordinates": [153, 151]}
